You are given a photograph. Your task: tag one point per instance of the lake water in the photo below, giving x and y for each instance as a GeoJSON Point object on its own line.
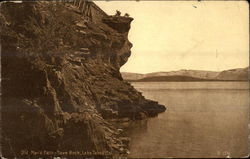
{"type": "Point", "coordinates": [203, 119]}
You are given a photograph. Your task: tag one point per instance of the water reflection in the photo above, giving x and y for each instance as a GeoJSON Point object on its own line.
{"type": "Point", "coordinates": [198, 123]}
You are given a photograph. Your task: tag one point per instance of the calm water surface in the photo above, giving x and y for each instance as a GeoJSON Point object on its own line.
{"type": "Point", "coordinates": [203, 119]}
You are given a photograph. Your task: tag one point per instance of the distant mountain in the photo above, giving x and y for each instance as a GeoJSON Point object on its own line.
{"type": "Point", "coordinates": [132, 76]}
{"type": "Point", "coordinates": [171, 78]}
{"type": "Point", "coordinates": [189, 75]}
{"type": "Point", "coordinates": [234, 74]}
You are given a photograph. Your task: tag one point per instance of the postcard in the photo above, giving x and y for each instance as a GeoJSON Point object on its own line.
{"type": "Point", "coordinates": [124, 79]}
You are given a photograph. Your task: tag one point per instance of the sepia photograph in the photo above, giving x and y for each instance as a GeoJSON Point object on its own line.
{"type": "Point", "coordinates": [124, 79]}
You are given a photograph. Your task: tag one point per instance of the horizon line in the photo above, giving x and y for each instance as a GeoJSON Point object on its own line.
{"type": "Point", "coordinates": [185, 70]}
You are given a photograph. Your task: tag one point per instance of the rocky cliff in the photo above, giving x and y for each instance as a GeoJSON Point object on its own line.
{"type": "Point", "coordinates": [61, 82]}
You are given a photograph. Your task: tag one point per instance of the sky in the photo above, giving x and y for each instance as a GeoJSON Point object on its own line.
{"type": "Point", "coordinates": [174, 35]}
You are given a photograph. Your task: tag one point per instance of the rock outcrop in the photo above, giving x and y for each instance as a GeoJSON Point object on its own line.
{"type": "Point", "coordinates": [61, 82]}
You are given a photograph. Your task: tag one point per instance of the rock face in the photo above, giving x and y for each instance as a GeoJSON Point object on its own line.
{"type": "Point", "coordinates": [61, 81]}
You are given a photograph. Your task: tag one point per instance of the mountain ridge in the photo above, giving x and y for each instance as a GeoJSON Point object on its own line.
{"type": "Point", "coordinates": [238, 74]}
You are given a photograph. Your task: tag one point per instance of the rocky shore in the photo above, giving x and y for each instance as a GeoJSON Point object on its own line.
{"type": "Point", "coordinates": [61, 83]}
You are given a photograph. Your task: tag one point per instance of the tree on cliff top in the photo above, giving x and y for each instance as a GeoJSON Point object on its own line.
{"type": "Point", "coordinates": [118, 13]}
